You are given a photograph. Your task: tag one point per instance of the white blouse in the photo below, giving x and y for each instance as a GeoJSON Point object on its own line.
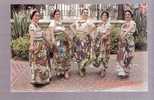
{"type": "Point", "coordinates": [84, 25]}
{"type": "Point", "coordinates": [57, 26]}
{"type": "Point", "coordinates": [36, 30]}
{"type": "Point", "coordinates": [103, 28]}
{"type": "Point", "coordinates": [131, 26]}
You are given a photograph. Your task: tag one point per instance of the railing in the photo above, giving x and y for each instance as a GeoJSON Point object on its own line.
{"type": "Point", "coordinates": [44, 23]}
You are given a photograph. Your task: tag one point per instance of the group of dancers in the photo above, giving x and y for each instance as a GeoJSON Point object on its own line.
{"type": "Point", "coordinates": [54, 50]}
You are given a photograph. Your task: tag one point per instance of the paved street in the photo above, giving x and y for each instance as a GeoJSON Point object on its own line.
{"type": "Point", "coordinates": [20, 78]}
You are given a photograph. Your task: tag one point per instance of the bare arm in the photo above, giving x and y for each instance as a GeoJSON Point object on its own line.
{"type": "Point", "coordinates": [92, 29]}
{"type": "Point", "coordinates": [107, 33]}
{"type": "Point", "coordinates": [72, 27]}
{"type": "Point", "coordinates": [31, 40]}
{"type": "Point", "coordinates": [51, 36]}
{"type": "Point", "coordinates": [130, 29]}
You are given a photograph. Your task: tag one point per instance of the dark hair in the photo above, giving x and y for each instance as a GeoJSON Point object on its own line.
{"type": "Point", "coordinates": [33, 13]}
{"type": "Point", "coordinates": [83, 10]}
{"type": "Point", "coordinates": [105, 12]}
{"type": "Point", "coordinates": [129, 12]}
{"type": "Point", "coordinates": [53, 14]}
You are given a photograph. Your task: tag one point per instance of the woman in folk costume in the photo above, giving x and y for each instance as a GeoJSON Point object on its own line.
{"type": "Point", "coordinates": [126, 45]}
{"type": "Point", "coordinates": [38, 52]}
{"type": "Point", "coordinates": [102, 44]}
{"type": "Point", "coordinates": [60, 46]}
{"type": "Point", "coordinates": [82, 41]}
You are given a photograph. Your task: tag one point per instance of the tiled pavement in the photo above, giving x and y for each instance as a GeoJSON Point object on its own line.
{"type": "Point", "coordinates": [20, 78]}
{"type": "Point", "coordinates": [18, 69]}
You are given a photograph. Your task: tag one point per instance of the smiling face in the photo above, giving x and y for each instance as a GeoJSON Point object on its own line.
{"type": "Point", "coordinates": [85, 13]}
{"type": "Point", "coordinates": [36, 17]}
{"type": "Point", "coordinates": [57, 15]}
{"type": "Point", "coordinates": [128, 16]}
{"type": "Point", "coordinates": [104, 17]}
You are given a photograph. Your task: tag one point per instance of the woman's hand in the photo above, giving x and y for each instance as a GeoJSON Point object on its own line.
{"type": "Point", "coordinates": [73, 29]}
{"type": "Point", "coordinates": [31, 48]}
{"type": "Point", "coordinates": [123, 35]}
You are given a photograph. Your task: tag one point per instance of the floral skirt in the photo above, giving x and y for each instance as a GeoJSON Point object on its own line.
{"type": "Point", "coordinates": [125, 53]}
{"type": "Point", "coordinates": [38, 59]}
{"type": "Point", "coordinates": [101, 51]}
{"type": "Point", "coordinates": [82, 49]}
{"type": "Point", "coordinates": [61, 56]}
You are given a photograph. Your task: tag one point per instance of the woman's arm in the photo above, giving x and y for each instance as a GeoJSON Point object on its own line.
{"type": "Point", "coordinates": [31, 40]}
{"type": "Point", "coordinates": [73, 28]}
{"type": "Point", "coordinates": [31, 34]}
{"type": "Point", "coordinates": [124, 31]}
{"type": "Point", "coordinates": [130, 29]}
{"type": "Point", "coordinates": [92, 29]}
{"type": "Point", "coordinates": [50, 36]}
{"type": "Point", "coordinates": [91, 26]}
{"type": "Point", "coordinates": [107, 33]}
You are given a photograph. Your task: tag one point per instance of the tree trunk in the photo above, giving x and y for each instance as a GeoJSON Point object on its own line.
{"type": "Point", "coordinates": [120, 12]}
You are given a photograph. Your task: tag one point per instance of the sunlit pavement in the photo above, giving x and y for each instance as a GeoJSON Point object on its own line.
{"type": "Point", "coordinates": [20, 78]}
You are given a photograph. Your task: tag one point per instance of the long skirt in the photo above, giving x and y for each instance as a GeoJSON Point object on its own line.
{"type": "Point", "coordinates": [38, 59]}
{"type": "Point", "coordinates": [124, 55]}
{"type": "Point", "coordinates": [61, 55]}
{"type": "Point", "coordinates": [82, 52]}
{"type": "Point", "coordinates": [101, 53]}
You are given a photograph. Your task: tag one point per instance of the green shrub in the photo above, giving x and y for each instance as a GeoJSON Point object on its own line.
{"type": "Point", "coordinates": [20, 47]}
{"type": "Point", "coordinates": [141, 43]}
{"type": "Point", "coordinates": [141, 30]}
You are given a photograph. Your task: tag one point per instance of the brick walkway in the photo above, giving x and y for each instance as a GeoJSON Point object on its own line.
{"type": "Point", "coordinates": [18, 69]}
{"type": "Point", "coordinates": [20, 78]}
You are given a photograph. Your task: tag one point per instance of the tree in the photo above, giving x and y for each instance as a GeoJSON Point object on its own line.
{"type": "Point", "coordinates": [121, 12]}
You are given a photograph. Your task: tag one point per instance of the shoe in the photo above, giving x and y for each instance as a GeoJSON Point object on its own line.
{"type": "Point", "coordinates": [66, 75]}
{"type": "Point", "coordinates": [33, 82]}
{"type": "Point", "coordinates": [82, 72]}
{"type": "Point", "coordinates": [118, 67]}
{"type": "Point", "coordinates": [120, 71]}
{"type": "Point", "coordinates": [102, 73]}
